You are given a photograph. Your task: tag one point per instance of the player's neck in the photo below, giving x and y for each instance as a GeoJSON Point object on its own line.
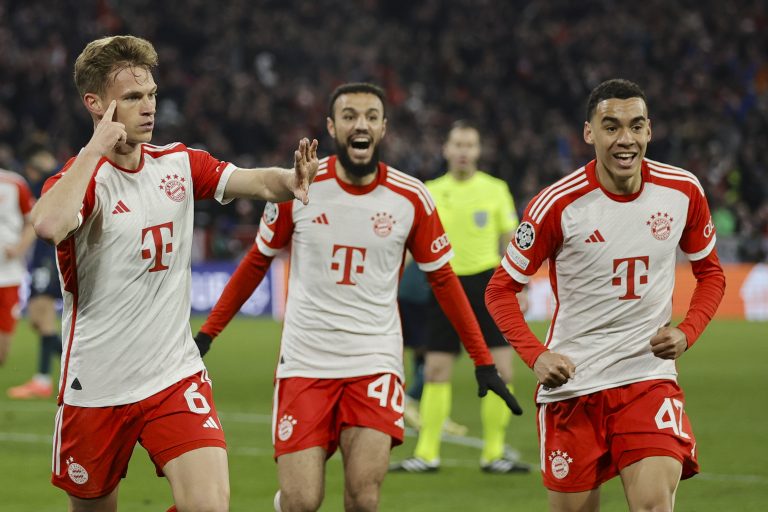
{"type": "Point", "coordinates": [462, 174]}
{"type": "Point", "coordinates": [351, 179]}
{"type": "Point", "coordinates": [127, 156]}
{"type": "Point", "coordinates": [619, 185]}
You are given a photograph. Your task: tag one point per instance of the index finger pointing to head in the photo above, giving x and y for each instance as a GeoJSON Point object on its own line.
{"type": "Point", "coordinates": [110, 112]}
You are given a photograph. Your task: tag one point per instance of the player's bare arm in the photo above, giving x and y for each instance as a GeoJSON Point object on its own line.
{"type": "Point", "coordinates": [553, 369]}
{"type": "Point", "coordinates": [276, 184]}
{"type": "Point", "coordinates": [669, 343]}
{"type": "Point", "coordinates": [13, 252]}
{"type": "Point", "coordinates": [54, 216]}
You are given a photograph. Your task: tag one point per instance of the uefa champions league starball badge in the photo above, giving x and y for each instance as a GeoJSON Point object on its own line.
{"type": "Point", "coordinates": [525, 236]}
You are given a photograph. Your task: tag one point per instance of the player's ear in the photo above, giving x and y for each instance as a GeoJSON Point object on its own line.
{"type": "Point", "coordinates": [588, 133]}
{"type": "Point", "coordinates": [94, 104]}
{"type": "Point", "coordinates": [384, 128]}
{"type": "Point", "coordinates": [650, 132]}
{"type": "Point", "coordinates": [330, 126]}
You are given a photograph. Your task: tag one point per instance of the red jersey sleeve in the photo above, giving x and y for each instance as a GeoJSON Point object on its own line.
{"type": "Point", "coordinates": [240, 286]}
{"type": "Point", "coordinates": [698, 237]}
{"type": "Point", "coordinates": [709, 291]}
{"type": "Point", "coordinates": [276, 228]}
{"type": "Point", "coordinates": [504, 308]}
{"type": "Point", "coordinates": [209, 175]}
{"type": "Point", "coordinates": [427, 240]}
{"type": "Point", "coordinates": [453, 301]}
{"type": "Point", "coordinates": [536, 239]}
{"type": "Point", "coordinates": [89, 200]}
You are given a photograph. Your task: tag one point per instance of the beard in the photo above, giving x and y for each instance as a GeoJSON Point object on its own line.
{"type": "Point", "coordinates": [357, 170]}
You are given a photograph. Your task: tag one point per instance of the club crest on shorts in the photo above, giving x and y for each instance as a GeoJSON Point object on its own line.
{"type": "Point", "coordinates": [76, 472]}
{"type": "Point", "coordinates": [271, 211]}
{"type": "Point", "coordinates": [174, 187]}
{"type": "Point", "coordinates": [525, 235]}
{"type": "Point", "coordinates": [560, 463]}
{"type": "Point", "coordinates": [285, 427]}
{"type": "Point", "coordinates": [661, 225]}
{"type": "Point", "coordinates": [383, 223]}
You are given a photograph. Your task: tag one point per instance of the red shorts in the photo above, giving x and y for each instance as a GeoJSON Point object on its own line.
{"type": "Point", "coordinates": [588, 439]}
{"type": "Point", "coordinates": [313, 412]}
{"type": "Point", "coordinates": [92, 445]}
{"type": "Point", "coordinates": [9, 308]}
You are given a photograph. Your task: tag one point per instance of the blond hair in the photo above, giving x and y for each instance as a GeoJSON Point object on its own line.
{"type": "Point", "coordinates": [102, 57]}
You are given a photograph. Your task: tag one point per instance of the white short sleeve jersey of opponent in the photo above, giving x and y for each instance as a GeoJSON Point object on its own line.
{"type": "Point", "coordinates": [347, 249]}
{"type": "Point", "coordinates": [16, 201]}
{"type": "Point", "coordinates": [612, 269]}
{"type": "Point", "coordinates": [126, 276]}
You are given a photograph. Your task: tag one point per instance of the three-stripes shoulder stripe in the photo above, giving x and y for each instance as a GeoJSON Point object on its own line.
{"type": "Point", "coordinates": [401, 180]}
{"type": "Point", "coordinates": [542, 204]}
{"type": "Point", "coordinates": [669, 172]}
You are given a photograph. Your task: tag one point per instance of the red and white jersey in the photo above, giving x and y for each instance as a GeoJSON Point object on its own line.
{"type": "Point", "coordinates": [126, 276]}
{"type": "Point", "coordinates": [612, 269]}
{"type": "Point", "coordinates": [16, 201]}
{"type": "Point", "coordinates": [347, 250]}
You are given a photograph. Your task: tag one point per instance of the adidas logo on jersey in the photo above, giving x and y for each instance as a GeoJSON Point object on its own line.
{"type": "Point", "coordinates": [320, 219]}
{"type": "Point", "coordinates": [210, 423]}
{"type": "Point", "coordinates": [120, 208]}
{"type": "Point", "coordinates": [595, 237]}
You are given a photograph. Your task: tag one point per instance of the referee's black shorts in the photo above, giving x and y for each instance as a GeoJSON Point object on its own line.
{"type": "Point", "coordinates": [441, 335]}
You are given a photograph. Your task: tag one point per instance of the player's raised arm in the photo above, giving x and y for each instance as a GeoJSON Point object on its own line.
{"type": "Point", "coordinates": [54, 216]}
{"type": "Point", "coordinates": [453, 300]}
{"type": "Point", "coordinates": [276, 184]}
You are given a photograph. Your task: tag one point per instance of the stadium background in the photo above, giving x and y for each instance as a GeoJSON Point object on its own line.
{"type": "Point", "coordinates": [246, 80]}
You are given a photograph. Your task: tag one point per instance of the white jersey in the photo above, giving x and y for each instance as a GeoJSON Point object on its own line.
{"type": "Point", "coordinates": [126, 277]}
{"type": "Point", "coordinates": [347, 250]}
{"type": "Point", "coordinates": [612, 269]}
{"type": "Point", "coordinates": [16, 201]}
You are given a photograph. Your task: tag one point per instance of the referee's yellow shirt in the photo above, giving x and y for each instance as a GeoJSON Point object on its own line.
{"type": "Point", "coordinates": [475, 213]}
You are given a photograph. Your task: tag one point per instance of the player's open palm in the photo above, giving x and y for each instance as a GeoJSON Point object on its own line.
{"type": "Point", "coordinates": [553, 369]}
{"type": "Point", "coordinates": [108, 133]}
{"type": "Point", "coordinates": [668, 343]}
{"type": "Point", "coordinates": [305, 164]}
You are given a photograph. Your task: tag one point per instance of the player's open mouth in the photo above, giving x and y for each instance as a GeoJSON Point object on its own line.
{"type": "Point", "coordinates": [625, 159]}
{"type": "Point", "coordinates": [360, 143]}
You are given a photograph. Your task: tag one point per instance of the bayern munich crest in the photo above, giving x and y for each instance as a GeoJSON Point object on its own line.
{"type": "Point", "coordinates": [285, 427]}
{"type": "Point", "coordinates": [525, 235]}
{"type": "Point", "coordinates": [661, 225]}
{"type": "Point", "coordinates": [560, 463]}
{"type": "Point", "coordinates": [383, 223]}
{"type": "Point", "coordinates": [174, 187]}
{"type": "Point", "coordinates": [76, 472]}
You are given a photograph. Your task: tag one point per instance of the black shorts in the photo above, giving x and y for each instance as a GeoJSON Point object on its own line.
{"type": "Point", "coordinates": [412, 316]}
{"type": "Point", "coordinates": [44, 281]}
{"type": "Point", "coordinates": [443, 338]}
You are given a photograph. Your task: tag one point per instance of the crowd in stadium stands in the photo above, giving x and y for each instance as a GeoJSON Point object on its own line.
{"type": "Point", "coordinates": [246, 80]}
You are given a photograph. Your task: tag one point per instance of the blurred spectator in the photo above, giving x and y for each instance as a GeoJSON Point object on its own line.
{"type": "Point", "coordinates": [519, 69]}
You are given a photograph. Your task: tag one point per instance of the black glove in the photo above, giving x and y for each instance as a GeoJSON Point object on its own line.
{"type": "Point", "coordinates": [203, 342]}
{"type": "Point", "coordinates": [488, 378]}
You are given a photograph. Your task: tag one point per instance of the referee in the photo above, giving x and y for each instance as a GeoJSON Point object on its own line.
{"type": "Point", "coordinates": [478, 214]}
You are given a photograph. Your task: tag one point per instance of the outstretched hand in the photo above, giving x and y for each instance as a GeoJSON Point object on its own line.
{"type": "Point", "coordinates": [305, 164]}
{"type": "Point", "coordinates": [488, 378]}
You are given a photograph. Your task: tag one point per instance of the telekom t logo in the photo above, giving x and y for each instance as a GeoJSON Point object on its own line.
{"type": "Point", "coordinates": [160, 248]}
{"type": "Point", "coordinates": [352, 260]}
{"type": "Point", "coordinates": [631, 266]}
